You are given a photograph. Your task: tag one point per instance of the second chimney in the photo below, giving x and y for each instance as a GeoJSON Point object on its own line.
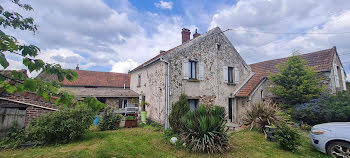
{"type": "Point", "coordinates": [186, 35]}
{"type": "Point", "coordinates": [196, 34]}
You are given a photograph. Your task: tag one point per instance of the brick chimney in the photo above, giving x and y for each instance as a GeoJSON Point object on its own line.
{"type": "Point", "coordinates": [77, 68]}
{"type": "Point", "coordinates": [186, 35]}
{"type": "Point", "coordinates": [196, 34]}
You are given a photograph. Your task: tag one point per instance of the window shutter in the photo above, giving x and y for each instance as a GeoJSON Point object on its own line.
{"type": "Point", "coordinates": [236, 74]}
{"type": "Point", "coordinates": [343, 77]}
{"type": "Point", "coordinates": [185, 69]}
{"type": "Point", "coordinates": [336, 77]}
{"type": "Point", "coordinates": [225, 72]}
{"type": "Point", "coordinates": [201, 71]}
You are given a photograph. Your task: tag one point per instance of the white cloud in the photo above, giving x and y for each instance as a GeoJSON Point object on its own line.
{"type": "Point", "coordinates": [65, 57]}
{"type": "Point", "coordinates": [124, 66]}
{"type": "Point", "coordinates": [164, 4]}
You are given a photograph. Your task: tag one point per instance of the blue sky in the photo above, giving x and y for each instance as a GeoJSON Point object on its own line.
{"type": "Point", "coordinates": [118, 35]}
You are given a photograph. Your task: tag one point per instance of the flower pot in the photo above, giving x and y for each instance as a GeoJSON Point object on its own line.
{"type": "Point", "coordinates": [143, 116]}
{"type": "Point", "coordinates": [130, 123]}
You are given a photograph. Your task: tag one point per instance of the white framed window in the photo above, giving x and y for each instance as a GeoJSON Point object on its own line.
{"type": "Point", "coordinates": [192, 69]}
{"type": "Point", "coordinates": [230, 74]}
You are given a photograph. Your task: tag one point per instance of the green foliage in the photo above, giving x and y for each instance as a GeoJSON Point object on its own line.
{"type": "Point", "coordinates": [109, 120]}
{"type": "Point", "coordinates": [333, 108]}
{"type": "Point", "coordinates": [204, 130]}
{"type": "Point", "coordinates": [130, 118]}
{"type": "Point", "coordinates": [93, 104]}
{"type": "Point", "coordinates": [10, 45]}
{"type": "Point", "coordinates": [14, 138]}
{"type": "Point", "coordinates": [60, 127]}
{"type": "Point", "coordinates": [296, 82]}
{"type": "Point", "coordinates": [287, 137]}
{"type": "Point", "coordinates": [261, 114]}
{"type": "Point", "coordinates": [179, 109]}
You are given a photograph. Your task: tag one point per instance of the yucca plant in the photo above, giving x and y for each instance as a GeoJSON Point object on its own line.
{"type": "Point", "coordinates": [204, 130]}
{"type": "Point", "coordinates": [261, 114]}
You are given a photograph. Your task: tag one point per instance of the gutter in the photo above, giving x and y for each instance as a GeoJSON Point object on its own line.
{"type": "Point", "coordinates": [167, 95]}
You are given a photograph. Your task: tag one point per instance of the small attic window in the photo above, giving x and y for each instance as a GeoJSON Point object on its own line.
{"type": "Point", "coordinates": [218, 46]}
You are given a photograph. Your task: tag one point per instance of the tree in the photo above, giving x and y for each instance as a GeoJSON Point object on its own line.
{"type": "Point", "coordinates": [296, 82]}
{"type": "Point", "coordinates": [179, 109]}
{"type": "Point", "coordinates": [17, 81]}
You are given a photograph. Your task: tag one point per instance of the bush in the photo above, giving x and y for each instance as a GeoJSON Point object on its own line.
{"type": "Point", "coordinates": [62, 126]}
{"type": "Point", "coordinates": [14, 138]}
{"type": "Point", "coordinates": [130, 118]}
{"type": "Point", "coordinates": [109, 120]}
{"type": "Point", "coordinates": [204, 130]}
{"type": "Point", "coordinates": [325, 109]}
{"type": "Point", "coordinates": [179, 109]}
{"type": "Point", "coordinates": [288, 138]}
{"type": "Point", "coordinates": [261, 114]}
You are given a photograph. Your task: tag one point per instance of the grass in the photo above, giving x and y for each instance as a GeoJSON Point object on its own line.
{"type": "Point", "coordinates": [144, 142]}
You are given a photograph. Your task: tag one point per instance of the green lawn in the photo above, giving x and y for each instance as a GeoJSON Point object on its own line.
{"type": "Point", "coordinates": [141, 142]}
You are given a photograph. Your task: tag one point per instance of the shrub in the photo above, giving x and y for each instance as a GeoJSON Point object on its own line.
{"type": "Point", "coordinates": [261, 114]}
{"type": "Point", "coordinates": [15, 137]}
{"type": "Point", "coordinates": [288, 138]}
{"type": "Point", "coordinates": [62, 126]}
{"type": "Point", "coordinates": [109, 120]}
{"type": "Point", "coordinates": [325, 109]}
{"type": "Point", "coordinates": [204, 130]}
{"type": "Point", "coordinates": [129, 118]}
{"type": "Point", "coordinates": [179, 109]}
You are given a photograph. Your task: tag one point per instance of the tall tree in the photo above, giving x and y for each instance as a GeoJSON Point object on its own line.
{"type": "Point", "coordinates": [296, 82]}
{"type": "Point", "coordinates": [17, 81]}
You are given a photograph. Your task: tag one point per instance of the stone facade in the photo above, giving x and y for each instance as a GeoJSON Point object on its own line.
{"type": "Point", "coordinates": [212, 52]}
{"type": "Point", "coordinates": [152, 88]}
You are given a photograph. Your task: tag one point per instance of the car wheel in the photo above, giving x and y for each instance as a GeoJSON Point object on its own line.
{"type": "Point", "coordinates": [339, 149]}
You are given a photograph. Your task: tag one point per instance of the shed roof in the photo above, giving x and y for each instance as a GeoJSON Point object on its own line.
{"type": "Point", "coordinates": [102, 92]}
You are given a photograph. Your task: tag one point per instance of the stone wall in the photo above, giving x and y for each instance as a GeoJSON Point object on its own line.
{"type": "Point", "coordinates": [212, 49]}
{"type": "Point", "coordinates": [215, 51]}
{"type": "Point", "coordinates": [153, 88]}
{"type": "Point", "coordinates": [112, 102]}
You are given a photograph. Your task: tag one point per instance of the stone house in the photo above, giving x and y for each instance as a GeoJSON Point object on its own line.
{"type": "Point", "coordinates": [112, 89]}
{"type": "Point", "coordinates": [209, 70]}
{"type": "Point", "coordinates": [327, 62]}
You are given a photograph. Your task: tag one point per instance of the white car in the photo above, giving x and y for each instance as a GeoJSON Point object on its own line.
{"type": "Point", "coordinates": [332, 138]}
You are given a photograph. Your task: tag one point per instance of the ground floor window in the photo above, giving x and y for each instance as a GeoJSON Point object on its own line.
{"type": "Point", "coordinates": [123, 103]}
{"type": "Point", "coordinates": [193, 103]}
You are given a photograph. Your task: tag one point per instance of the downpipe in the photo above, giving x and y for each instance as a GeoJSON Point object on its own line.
{"type": "Point", "coordinates": [167, 95]}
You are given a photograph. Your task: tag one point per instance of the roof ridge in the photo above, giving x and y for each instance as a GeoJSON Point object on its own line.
{"type": "Point", "coordinates": [288, 57]}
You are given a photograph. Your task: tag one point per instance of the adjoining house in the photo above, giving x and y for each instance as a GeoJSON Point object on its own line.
{"type": "Point", "coordinates": [112, 89]}
{"type": "Point", "coordinates": [327, 62]}
{"type": "Point", "coordinates": [209, 70]}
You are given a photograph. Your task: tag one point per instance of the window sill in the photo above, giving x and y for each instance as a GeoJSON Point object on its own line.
{"type": "Point", "coordinates": [231, 84]}
{"type": "Point", "coordinates": [193, 80]}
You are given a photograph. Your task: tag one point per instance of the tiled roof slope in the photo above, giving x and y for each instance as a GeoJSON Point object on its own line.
{"type": "Point", "coordinates": [320, 60]}
{"type": "Point", "coordinates": [170, 50]}
{"type": "Point", "coordinates": [31, 99]}
{"type": "Point", "coordinates": [94, 78]}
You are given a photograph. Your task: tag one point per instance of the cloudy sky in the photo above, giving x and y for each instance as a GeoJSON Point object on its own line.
{"type": "Point", "coordinates": [117, 35]}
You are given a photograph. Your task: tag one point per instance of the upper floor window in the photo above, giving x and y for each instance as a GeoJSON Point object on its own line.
{"type": "Point", "coordinates": [139, 81]}
{"type": "Point", "coordinates": [230, 74]}
{"type": "Point", "coordinates": [193, 69]}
